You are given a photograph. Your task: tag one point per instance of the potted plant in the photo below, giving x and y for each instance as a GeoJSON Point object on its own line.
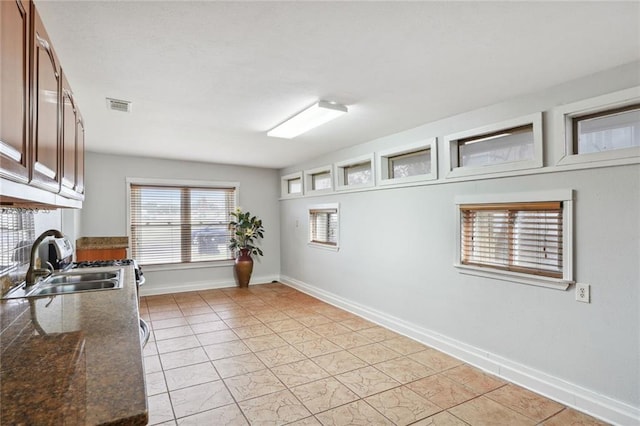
{"type": "Point", "coordinates": [245, 232]}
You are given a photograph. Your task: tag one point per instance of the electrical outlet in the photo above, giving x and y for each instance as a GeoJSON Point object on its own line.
{"type": "Point", "coordinates": [583, 293]}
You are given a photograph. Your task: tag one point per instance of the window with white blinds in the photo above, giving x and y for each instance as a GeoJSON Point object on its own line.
{"type": "Point", "coordinates": [518, 237]}
{"type": "Point", "coordinates": [180, 224]}
{"type": "Point", "coordinates": [323, 226]}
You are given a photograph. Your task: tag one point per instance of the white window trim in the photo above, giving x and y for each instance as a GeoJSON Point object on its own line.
{"type": "Point", "coordinates": [382, 176]}
{"type": "Point", "coordinates": [178, 182]}
{"type": "Point", "coordinates": [339, 172]}
{"type": "Point", "coordinates": [564, 195]}
{"type": "Point", "coordinates": [308, 180]}
{"type": "Point", "coordinates": [320, 245]}
{"type": "Point", "coordinates": [284, 185]}
{"type": "Point", "coordinates": [563, 116]}
{"type": "Point", "coordinates": [451, 145]}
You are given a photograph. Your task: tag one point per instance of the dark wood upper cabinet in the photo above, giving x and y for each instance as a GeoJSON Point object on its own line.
{"type": "Point", "coordinates": [14, 90]}
{"type": "Point", "coordinates": [79, 189]}
{"type": "Point", "coordinates": [69, 140]}
{"type": "Point", "coordinates": [42, 133]}
{"type": "Point", "coordinates": [72, 153]}
{"type": "Point", "coordinates": [45, 100]}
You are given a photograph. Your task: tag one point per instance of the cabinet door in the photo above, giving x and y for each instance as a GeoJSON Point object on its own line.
{"type": "Point", "coordinates": [69, 140]}
{"type": "Point", "coordinates": [45, 99]}
{"type": "Point", "coordinates": [14, 87]}
{"type": "Point", "coordinates": [79, 156]}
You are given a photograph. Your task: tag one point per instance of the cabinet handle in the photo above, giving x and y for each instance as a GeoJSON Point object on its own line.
{"type": "Point", "coordinates": [42, 42]}
{"type": "Point", "coordinates": [46, 46]}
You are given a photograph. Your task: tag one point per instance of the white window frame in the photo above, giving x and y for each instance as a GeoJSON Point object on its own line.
{"type": "Point", "coordinates": [284, 185]}
{"type": "Point", "coordinates": [384, 156]}
{"type": "Point", "coordinates": [308, 180]}
{"type": "Point", "coordinates": [340, 184]}
{"type": "Point", "coordinates": [451, 149]}
{"type": "Point", "coordinates": [178, 182]}
{"type": "Point", "coordinates": [564, 195]}
{"type": "Point", "coordinates": [314, 244]}
{"type": "Point", "coordinates": [563, 129]}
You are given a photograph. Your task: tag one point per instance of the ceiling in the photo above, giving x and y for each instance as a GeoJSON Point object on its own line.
{"type": "Point", "coordinates": [208, 79]}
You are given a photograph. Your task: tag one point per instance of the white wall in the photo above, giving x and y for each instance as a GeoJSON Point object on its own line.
{"type": "Point", "coordinates": [397, 249]}
{"type": "Point", "coordinates": [105, 206]}
{"type": "Point", "coordinates": [44, 220]}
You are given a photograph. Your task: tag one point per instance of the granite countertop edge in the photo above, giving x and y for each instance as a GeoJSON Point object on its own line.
{"type": "Point", "coordinates": [92, 243]}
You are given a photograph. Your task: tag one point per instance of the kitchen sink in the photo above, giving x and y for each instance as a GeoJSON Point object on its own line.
{"type": "Point", "coordinates": [75, 281]}
{"type": "Point", "coordinates": [51, 289]}
{"type": "Point", "coordinates": [80, 277]}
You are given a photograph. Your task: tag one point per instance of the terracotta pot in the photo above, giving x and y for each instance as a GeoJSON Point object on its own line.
{"type": "Point", "coordinates": [243, 268]}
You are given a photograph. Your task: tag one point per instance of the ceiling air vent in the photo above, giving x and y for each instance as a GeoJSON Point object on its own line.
{"type": "Point", "coordinates": [118, 105]}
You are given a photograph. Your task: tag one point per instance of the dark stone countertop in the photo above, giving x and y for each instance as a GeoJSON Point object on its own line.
{"type": "Point", "coordinates": [73, 359]}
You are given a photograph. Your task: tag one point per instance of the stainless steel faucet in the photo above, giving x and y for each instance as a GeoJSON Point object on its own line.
{"type": "Point", "coordinates": [33, 273]}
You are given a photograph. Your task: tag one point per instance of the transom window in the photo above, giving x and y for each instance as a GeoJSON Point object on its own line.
{"type": "Point", "coordinates": [518, 237]}
{"type": "Point", "coordinates": [294, 185]}
{"type": "Point", "coordinates": [323, 226]}
{"type": "Point", "coordinates": [607, 130]}
{"type": "Point", "coordinates": [410, 164]}
{"type": "Point", "coordinates": [180, 224]}
{"type": "Point", "coordinates": [503, 146]}
{"type": "Point", "coordinates": [321, 181]}
{"type": "Point", "coordinates": [357, 174]}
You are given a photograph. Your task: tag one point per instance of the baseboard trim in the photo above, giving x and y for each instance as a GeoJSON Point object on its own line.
{"type": "Point", "coordinates": [154, 290]}
{"type": "Point", "coordinates": [567, 393]}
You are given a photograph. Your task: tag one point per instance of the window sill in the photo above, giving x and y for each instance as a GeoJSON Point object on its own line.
{"type": "Point", "coordinates": [536, 280]}
{"type": "Point", "coordinates": [194, 265]}
{"type": "Point", "coordinates": [368, 185]}
{"type": "Point", "coordinates": [613, 157]}
{"type": "Point", "coordinates": [407, 180]}
{"type": "Point", "coordinates": [323, 246]}
{"type": "Point", "coordinates": [506, 169]}
{"type": "Point", "coordinates": [312, 192]}
{"type": "Point", "coordinates": [292, 195]}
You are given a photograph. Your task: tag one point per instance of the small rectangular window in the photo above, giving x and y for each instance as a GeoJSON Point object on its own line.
{"type": "Point", "coordinates": [503, 146]}
{"type": "Point", "coordinates": [291, 185]}
{"type": "Point", "coordinates": [607, 130]}
{"type": "Point", "coordinates": [294, 185]}
{"type": "Point", "coordinates": [357, 174]}
{"type": "Point", "coordinates": [321, 181]}
{"type": "Point", "coordinates": [411, 164]}
{"type": "Point", "coordinates": [323, 226]}
{"type": "Point", "coordinates": [517, 237]}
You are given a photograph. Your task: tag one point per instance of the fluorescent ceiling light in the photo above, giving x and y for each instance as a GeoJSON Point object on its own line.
{"type": "Point", "coordinates": [317, 114]}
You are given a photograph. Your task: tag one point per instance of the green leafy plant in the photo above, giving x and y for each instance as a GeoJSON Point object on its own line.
{"type": "Point", "coordinates": [246, 230]}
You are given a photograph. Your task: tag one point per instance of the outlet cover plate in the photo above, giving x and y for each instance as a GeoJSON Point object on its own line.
{"type": "Point", "coordinates": [583, 293]}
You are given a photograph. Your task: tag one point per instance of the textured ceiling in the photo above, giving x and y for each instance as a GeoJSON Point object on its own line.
{"type": "Point", "coordinates": [208, 79]}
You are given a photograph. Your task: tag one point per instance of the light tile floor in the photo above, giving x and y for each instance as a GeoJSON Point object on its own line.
{"type": "Point", "coordinates": [270, 355]}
